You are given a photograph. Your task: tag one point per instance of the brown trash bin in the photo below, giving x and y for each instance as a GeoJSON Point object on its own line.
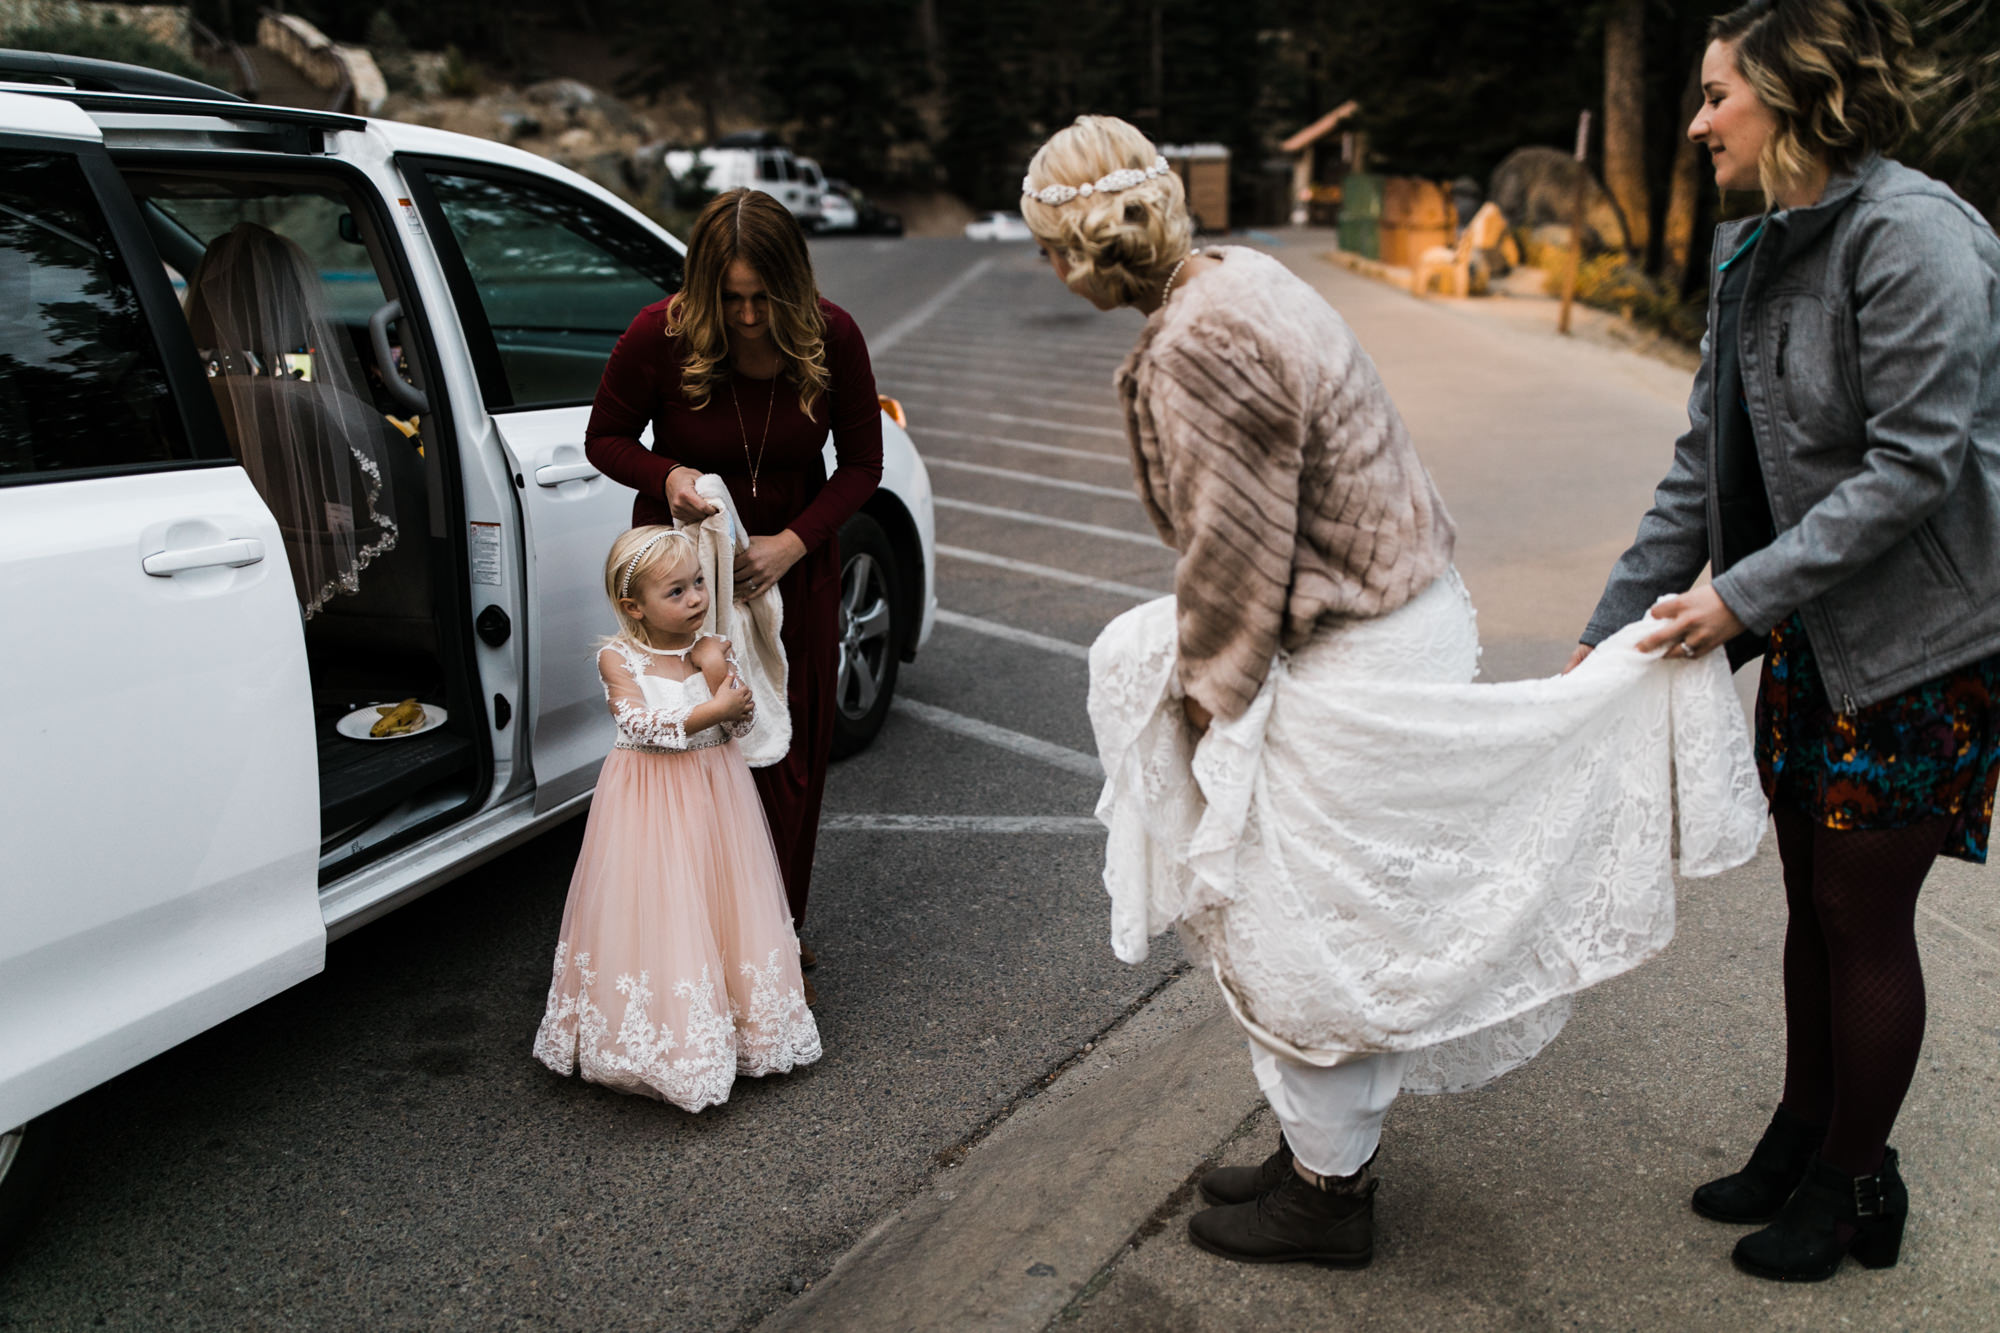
{"type": "Point", "coordinates": [1416, 215]}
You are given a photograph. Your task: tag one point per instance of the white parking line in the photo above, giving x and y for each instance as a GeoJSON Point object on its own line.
{"type": "Point", "coordinates": [1051, 573]}
{"type": "Point", "coordinates": [909, 323]}
{"type": "Point", "coordinates": [1075, 824]}
{"type": "Point", "coordinates": [1031, 478]}
{"type": "Point", "coordinates": [1049, 521]}
{"type": "Point", "coordinates": [1034, 747]}
{"type": "Point", "coordinates": [1035, 446]}
{"type": "Point", "coordinates": [1068, 427]}
{"type": "Point", "coordinates": [1948, 923]}
{"type": "Point", "coordinates": [887, 377]}
{"type": "Point", "coordinates": [1020, 352]}
{"type": "Point", "coordinates": [1023, 373]}
{"type": "Point", "coordinates": [905, 387]}
{"type": "Point", "coordinates": [956, 332]}
{"type": "Point", "coordinates": [993, 629]}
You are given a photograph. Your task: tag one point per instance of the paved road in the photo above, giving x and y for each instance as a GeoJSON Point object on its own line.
{"type": "Point", "coordinates": [377, 1148]}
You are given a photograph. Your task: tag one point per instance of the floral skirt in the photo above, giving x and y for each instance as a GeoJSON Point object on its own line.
{"type": "Point", "coordinates": [1931, 751]}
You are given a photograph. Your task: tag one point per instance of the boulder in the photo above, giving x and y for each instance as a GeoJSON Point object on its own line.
{"type": "Point", "coordinates": [1536, 187]}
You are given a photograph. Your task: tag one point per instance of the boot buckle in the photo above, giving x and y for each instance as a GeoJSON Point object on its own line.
{"type": "Point", "coordinates": [1868, 1196]}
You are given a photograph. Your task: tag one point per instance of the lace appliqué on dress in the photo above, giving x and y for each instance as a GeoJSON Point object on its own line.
{"type": "Point", "coordinates": [1380, 855]}
{"type": "Point", "coordinates": [693, 1068]}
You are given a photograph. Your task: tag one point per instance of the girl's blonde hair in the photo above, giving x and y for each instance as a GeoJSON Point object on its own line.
{"type": "Point", "coordinates": [749, 225]}
{"type": "Point", "coordinates": [1119, 245]}
{"type": "Point", "coordinates": [636, 557]}
{"type": "Point", "coordinates": [1841, 76]}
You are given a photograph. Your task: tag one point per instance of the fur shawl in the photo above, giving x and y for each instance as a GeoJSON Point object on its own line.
{"type": "Point", "coordinates": [1269, 455]}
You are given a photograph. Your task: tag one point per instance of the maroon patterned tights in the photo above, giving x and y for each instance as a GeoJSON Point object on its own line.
{"type": "Point", "coordinates": [1854, 990]}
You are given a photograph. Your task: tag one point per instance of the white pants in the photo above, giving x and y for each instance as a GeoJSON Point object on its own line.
{"type": "Point", "coordinates": [1332, 1117]}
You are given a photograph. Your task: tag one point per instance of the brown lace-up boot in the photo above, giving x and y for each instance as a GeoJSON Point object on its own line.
{"type": "Point", "coordinates": [1241, 1184]}
{"type": "Point", "coordinates": [1331, 1223]}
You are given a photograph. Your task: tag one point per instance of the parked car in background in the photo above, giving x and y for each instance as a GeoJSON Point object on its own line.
{"type": "Point", "coordinates": [837, 212]}
{"type": "Point", "coordinates": [190, 812]}
{"type": "Point", "coordinates": [869, 218]}
{"type": "Point", "coordinates": [762, 161]}
{"type": "Point", "coordinates": [998, 227]}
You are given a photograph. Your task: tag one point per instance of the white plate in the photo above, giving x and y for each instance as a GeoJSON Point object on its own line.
{"type": "Point", "coordinates": [356, 724]}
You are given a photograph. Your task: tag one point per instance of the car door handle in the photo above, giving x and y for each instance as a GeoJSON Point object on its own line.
{"type": "Point", "coordinates": [234, 554]}
{"type": "Point", "coordinates": [555, 474]}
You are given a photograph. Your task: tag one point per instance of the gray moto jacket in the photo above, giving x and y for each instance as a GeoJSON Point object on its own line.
{"type": "Point", "coordinates": [1870, 355]}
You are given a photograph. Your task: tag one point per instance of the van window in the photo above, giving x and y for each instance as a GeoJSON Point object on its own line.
{"type": "Point", "coordinates": [768, 168]}
{"type": "Point", "coordinates": [558, 276]}
{"type": "Point", "coordinates": [278, 284]}
{"type": "Point", "coordinates": [82, 387]}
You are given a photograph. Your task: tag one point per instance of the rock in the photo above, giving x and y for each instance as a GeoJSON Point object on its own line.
{"type": "Point", "coordinates": [519, 125]}
{"type": "Point", "coordinates": [1536, 188]}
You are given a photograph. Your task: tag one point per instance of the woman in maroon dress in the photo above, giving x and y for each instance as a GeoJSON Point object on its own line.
{"type": "Point", "coordinates": [742, 374]}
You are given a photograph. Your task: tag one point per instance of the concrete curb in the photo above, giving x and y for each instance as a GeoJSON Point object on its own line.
{"type": "Point", "coordinates": [1011, 1235]}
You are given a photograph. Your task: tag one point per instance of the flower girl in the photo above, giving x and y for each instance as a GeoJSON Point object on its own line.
{"type": "Point", "coordinates": [676, 968]}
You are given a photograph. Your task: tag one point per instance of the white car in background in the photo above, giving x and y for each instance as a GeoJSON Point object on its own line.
{"type": "Point", "coordinates": [186, 826]}
{"type": "Point", "coordinates": [837, 212]}
{"type": "Point", "coordinates": [998, 227]}
{"type": "Point", "coordinates": [760, 160]}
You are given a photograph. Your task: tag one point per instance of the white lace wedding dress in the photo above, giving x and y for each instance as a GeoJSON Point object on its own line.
{"type": "Point", "coordinates": [1379, 855]}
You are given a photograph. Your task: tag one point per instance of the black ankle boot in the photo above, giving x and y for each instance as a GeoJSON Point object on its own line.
{"type": "Point", "coordinates": [1755, 1194]}
{"type": "Point", "coordinates": [1829, 1216]}
{"type": "Point", "coordinates": [1332, 1223]}
{"type": "Point", "coordinates": [1240, 1184]}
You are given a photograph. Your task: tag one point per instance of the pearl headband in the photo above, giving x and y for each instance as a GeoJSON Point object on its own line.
{"type": "Point", "coordinates": [625, 579]}
{"type": "Point", "coordinates": [1110, 183]}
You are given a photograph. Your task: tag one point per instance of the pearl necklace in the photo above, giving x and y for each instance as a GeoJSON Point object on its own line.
{"type": "Point", "coordinates": [1168, 290]}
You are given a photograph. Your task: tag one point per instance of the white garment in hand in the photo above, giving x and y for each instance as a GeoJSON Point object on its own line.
{"type": "Point", "coordinates": [752, 625]}
{"type": "Point", "coordinates": [1379, 855]}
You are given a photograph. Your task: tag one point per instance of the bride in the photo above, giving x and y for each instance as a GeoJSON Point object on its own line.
{"type": "Point", "coordinates": [1398, 878]}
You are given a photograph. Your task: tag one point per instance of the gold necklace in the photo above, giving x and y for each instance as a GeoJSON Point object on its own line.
{"type": "Point", "coordinates": [744, 431]}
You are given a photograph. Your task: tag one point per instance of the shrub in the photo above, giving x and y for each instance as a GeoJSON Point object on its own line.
{"type": "Point", "coordinates": [1609, 281]}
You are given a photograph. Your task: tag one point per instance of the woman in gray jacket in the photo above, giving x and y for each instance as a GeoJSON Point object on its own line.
{"type": "Point", "coordinates": [1840, 478]}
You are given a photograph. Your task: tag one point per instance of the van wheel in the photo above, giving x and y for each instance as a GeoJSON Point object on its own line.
{"type": "Point", "coordinates": [28, 1159]}
{"type": "Point", "coordinates": [871, 634]}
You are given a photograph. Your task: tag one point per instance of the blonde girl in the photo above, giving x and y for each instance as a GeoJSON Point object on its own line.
{"type": "Point", "coordinates": [676, 967]}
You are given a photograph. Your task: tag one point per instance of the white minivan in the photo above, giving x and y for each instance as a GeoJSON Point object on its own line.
{"type": "Point", "coordinates": [187, 821]}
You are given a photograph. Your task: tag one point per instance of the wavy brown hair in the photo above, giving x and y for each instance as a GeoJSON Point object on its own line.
{"type": "Point", "coordinates": [749, 225]}
{"type": "Point", "coordinates": [1841, 76]}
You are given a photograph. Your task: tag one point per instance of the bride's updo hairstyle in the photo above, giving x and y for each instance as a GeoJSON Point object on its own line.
{"type": "Point", "coordinates": [1119, 244]}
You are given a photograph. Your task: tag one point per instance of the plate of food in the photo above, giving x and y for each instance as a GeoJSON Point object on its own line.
{"type": "Point", "coordinates": [390, 721]}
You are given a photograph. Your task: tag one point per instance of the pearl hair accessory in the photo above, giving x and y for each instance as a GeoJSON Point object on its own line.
{"type": "Point", "coordinates": [625, 579]}
{"type": "Point", "coordinates": [1110, 183]}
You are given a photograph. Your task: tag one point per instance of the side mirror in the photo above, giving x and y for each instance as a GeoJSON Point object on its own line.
{"type": "Point", "coordinates": [350, 230]}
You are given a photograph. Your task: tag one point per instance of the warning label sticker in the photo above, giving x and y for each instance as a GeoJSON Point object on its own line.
{"type": "Point", "coordinates": [486, 554]}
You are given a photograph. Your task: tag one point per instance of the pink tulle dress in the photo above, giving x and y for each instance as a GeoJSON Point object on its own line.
{"type": "Point", "coordinates": [677, 968]}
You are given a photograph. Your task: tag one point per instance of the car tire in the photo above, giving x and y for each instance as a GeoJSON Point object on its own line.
{"type": "Point", "coordinates": [872, 633]}
{"type": "Point", "coordinates": [29, 1156]}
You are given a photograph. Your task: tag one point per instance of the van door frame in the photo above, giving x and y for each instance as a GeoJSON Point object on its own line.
{"type": "Point", "coordinates": [451, 585]}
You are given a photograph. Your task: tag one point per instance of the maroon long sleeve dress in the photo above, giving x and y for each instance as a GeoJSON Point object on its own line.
{"type": "Point", "coordinates": [642, 383]}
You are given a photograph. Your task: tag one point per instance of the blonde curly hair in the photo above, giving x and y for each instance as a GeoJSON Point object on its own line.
{"type": "Point", "coordinates": [1119, 245]}
{"type": "Point", "coordinates": [1842, 78]}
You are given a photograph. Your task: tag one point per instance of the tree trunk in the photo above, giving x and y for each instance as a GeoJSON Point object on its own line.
{"type": "Point", "coordinates": [1625, 118]}
{"type": "Point", "coordinates": [1684, 191]}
